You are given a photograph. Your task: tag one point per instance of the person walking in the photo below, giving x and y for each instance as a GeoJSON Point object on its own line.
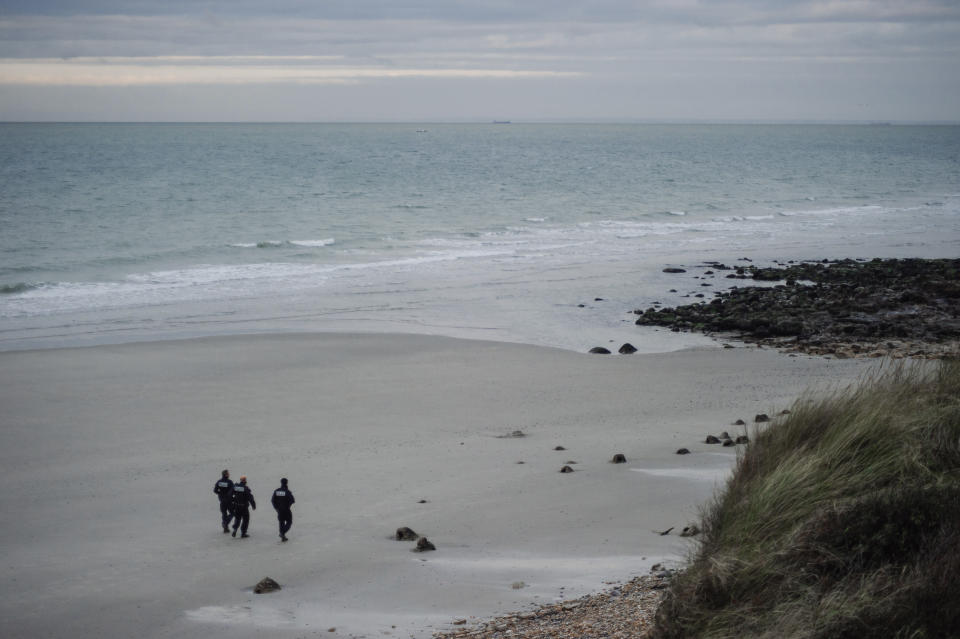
{"type": "Point", "coordinates": [242, 502]}
{"type": "Point", "coordinates": [224, 491]}
{"type": "Point", "coordinates": [282, 500]}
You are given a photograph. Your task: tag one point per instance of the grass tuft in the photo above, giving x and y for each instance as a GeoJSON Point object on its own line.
{"type": "Point", "coordinates": [840, 521]}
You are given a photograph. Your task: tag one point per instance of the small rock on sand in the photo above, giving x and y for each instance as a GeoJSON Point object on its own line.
{"type": "Point", "coordinates": [424, 544]}
{"type": "Point", "coordinates": [619, 458]}
{"type": "Point", "coordinates": [266, 585]}
{"type": "Point", "coordinates": [406, 534]}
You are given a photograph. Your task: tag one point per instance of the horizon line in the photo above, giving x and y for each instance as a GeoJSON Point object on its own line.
{"type": "Point", "coordinates": [608, 121]}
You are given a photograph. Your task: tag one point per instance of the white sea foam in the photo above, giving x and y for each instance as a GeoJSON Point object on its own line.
{"type": "Point", "coordinates": [843, 210]}
{"type": "Point", "coordinates": [313, 243]}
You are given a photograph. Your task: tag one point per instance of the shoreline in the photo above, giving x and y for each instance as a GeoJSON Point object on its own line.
{"type": "Point", "coordinates": [365, 426]}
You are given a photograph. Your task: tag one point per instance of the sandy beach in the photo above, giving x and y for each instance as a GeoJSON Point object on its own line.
{"type": "Point", "coordinates": [110, 453]}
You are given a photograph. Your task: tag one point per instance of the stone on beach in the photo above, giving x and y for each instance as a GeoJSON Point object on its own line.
{"type": "Point", "coordinates": [627, 349]}
{"type": "Point", "coordinates": [600, 350]}
{"type": "Point", "coordinates": [424, 545]}
{"type": "Point", "coordinates": [406, 534]}
{"type": "Point", "coordinates": [266, 585]}
{"type": "Point", "coordinates": [619, 458]}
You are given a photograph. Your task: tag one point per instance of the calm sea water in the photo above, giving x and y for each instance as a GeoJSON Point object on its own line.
{"type": "Point", "coordinates": [510, 232]}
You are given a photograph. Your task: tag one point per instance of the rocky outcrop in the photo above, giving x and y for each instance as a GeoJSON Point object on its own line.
{"type": "Point", "coordinates": [845, 308]}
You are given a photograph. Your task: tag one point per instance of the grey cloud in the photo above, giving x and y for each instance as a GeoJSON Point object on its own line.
{"type": "Point", "coordinates": [660, 11]}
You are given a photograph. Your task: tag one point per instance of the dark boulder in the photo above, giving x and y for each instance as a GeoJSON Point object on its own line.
{"type": "Point", "coordinates": [739, 422]}
{"type": "Point", "coordinates": [762, 417]}
{"type": "Point", "coordinates": [424, 544]}
{"type": "Point", "coordinates": [711, 440]}
{"type": "Point", "coordinates": [627, 349]}
{"type": "Point", "coordinates": [559, 448]}
{"type": "Point", "coordinates": [406, 534]}
{"type": "Point", "coordinates": [566, 469]}
{"type": "Point", "coordinates": [683, 451]}
{"type": "Point", "coordinates": [742, 439]}
{"type": "Point", "coordinates": [673, 269]}
{"type": "Point", "coordinates": [600, 350]}
{"type": "Point", "coordinates": [690, 531]}
{"type": "Point", "coordinates": [266, 585]}
{"type": "Point", "coordinates": [619, 458]}
{"type": "Point", "coordinates": [728, 442]}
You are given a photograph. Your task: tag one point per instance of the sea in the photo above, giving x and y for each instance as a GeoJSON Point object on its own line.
{"type": "Point", "coordinates": [544, 234]}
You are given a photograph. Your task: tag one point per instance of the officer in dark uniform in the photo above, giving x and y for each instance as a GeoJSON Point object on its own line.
{"type": "Point", "coordinates": [242, 502]}
{"type": "Point", "coordinates": [282, 500]}
{"type": "Point", "coordinates": [224, 490]}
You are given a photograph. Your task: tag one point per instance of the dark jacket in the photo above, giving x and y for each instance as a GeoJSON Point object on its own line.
{"type": "Point", "coordinates": [243, 496]}
{"type": "Point", "coordinates": [224, 489]}
{"type": "Point", "coordinates": [282, 498]}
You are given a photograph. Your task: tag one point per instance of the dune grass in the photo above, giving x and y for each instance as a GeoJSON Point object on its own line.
{"type": "Point", "coordinates": [841, 520]}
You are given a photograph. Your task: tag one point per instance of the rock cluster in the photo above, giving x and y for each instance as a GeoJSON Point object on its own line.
{"type": "Point", "coordinates": [624, 612]}
{"type": "Point", "coordinates": [847, 308]}
{"type": "Point", "coordinates": [407, 534]}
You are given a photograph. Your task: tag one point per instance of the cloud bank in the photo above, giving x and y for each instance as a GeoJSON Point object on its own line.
{"type": "Point", "coordinates": [856, 59]}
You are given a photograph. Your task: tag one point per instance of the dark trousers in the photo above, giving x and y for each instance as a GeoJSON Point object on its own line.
{"type": "Point", "coordinates": [225, 513]}
{"type": "Point", "coordinates": [285, 517]}
{"type": "Point", "coordinates": [241, 518]}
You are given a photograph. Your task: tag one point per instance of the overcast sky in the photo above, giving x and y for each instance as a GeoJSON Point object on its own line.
{"type": "Point", "coordinates": [477, 60]}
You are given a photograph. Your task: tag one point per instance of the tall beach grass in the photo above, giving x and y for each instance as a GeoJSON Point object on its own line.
{"type": "Point", "coordinates": [841, 520]}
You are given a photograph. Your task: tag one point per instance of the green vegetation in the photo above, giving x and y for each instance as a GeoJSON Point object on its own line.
{"type": "Point", "coordinates": [840, 521]}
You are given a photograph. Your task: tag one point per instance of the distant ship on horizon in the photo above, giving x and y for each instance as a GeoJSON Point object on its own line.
{"type": "Point", "coordinates": [501, 121]}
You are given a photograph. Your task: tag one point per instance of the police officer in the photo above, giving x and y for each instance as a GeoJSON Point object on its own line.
{"type": "Point", "coordinates": [224, 490]}
{"type": "Point", "coordinates": [282, 500]}
{"type": "Point", "coordinates": [242, 501]}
